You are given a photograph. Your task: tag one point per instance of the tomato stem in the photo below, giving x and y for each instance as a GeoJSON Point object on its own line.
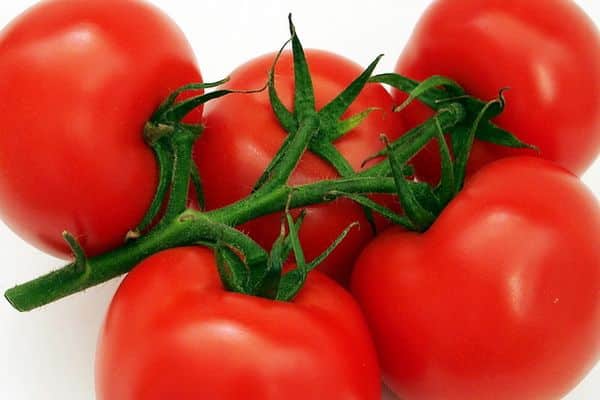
{"type": "Point", "coordinates": [181, 141]}
{"type": "Point", "coordinates": [283, 166]}
{"type": "Point", "coordinates": [188, 228]}
{"type": "Point", "coordinates": [191, 226]}
{"type": "Point", "coordinates": [416, 139]}
{"type": "Point", "coordinates": [244, 265]}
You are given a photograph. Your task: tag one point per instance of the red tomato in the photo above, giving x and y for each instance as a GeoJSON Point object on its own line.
{"type": "Point", "coordinates": [243, 135]}
{"type": "Point", "coordinates": [172, 332]}
{"type": "Point", "coordinates": [78, 80]}
{"type": "Point", "coordinates": [546, 51]}
{"type": "Point", "coordinates": [500, 299]}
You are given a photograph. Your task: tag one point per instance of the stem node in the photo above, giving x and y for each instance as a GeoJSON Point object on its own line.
{"type": "Point", "coordinates": [80, 264]}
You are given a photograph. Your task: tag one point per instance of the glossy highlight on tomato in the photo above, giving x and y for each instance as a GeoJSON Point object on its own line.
{"type": "Point", "coordinates": [499, 298]}
{"type": "Point", "coordinates": [547, 52]}
{"type": "Point", "coordinates": [172, 332]}
{"type": "Point", "coordinates": [242, 136]}
{"type": "Point", "coordinates": [79, 79]}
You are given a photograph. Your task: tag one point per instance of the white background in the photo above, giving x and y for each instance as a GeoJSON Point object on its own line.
{"type": "Point", "coordinates": [49, 354]}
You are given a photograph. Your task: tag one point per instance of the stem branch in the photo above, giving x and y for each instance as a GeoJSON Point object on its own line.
{"type": "Point", "coordinates": [181, 227]}
{"type": "Point", "coordinates": [181, 143]}
{"type": "Point", "coordinates": [187, 229]}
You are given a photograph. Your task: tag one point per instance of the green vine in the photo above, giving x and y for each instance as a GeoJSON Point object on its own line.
{"type": "Point", "coordinates": [243, 265]}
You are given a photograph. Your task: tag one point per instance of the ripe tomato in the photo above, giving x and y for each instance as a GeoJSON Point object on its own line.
{"type": "Point", "coordinates": [243, 135]}
{"type": "Point", "coordinates": [78, 80]}
{"type": "Point", "coordinates": [546, 51]}
{"type": "Point", "coordinates": [172, 332]}
{"type": "Point", "coordinates": [499, 299]}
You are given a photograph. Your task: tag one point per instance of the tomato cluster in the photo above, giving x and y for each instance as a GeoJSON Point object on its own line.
{"type": "Point", "coordinates": [496, 295]}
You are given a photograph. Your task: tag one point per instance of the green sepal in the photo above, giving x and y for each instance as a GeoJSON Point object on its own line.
{"type": "Point", "coordinates": [330, 114]}
{"type": "Point", "coordinates": [346, 125]}
{"type": "Point", "coordinates": [293, 281]}
{"type": "Point", "coordinates": [460, 138]}
{"type": "Point", "coordinates": [304, 106]}
{"type": "Point", "coordinates": [170, 101]}
{"type": "Point", "coordinates": [378, 208]}
{"type": "Point", "coordinates": [268, 285]}
{"type": "Point", "coordinates": [452, 89]}
{"type": "Point", "coordinates": [286, 118]}
{"type": "Point", "coordinates": [445, 190]}
{"type": "Point", "coordinates": [429, 93]}
{"type": "Point", "coordinates": [297, 225]}
{"type": "Point", "coordinates": [267, 280]}
{"type": "Point", "coordinates": [409, 195]}
{"type": "Point", "coordinates": [304, 95]}
{"type": "Point", "coordinates": [426, 196]}
{"type": "Point", "coordinates": [164, 160]}
{"type": "Point", "coordinates": [405, 140]}
{"type": "Point", "coordinates": [324, 255]}
{"type": "Point", "coordinates": [198, 187]}
{"type": "Point", "coordinates": [489, 132]}
{"type": "Point", "coordinates": [180, 110]}
{"type": "Point", "coordinates": [407, 85]}
{"type": "Point", "coordinates": [171, 112]}
{"type": "Point", "coordinates": [254, 255]}
{"type": "Point", "coordinates": [328, 152]}
{"type": "Point", "coordinates": [232, 270]}
{"type": "Point", "coordinates": [464, 136]}
{"type": "Point", "coordinates": [417, 138]}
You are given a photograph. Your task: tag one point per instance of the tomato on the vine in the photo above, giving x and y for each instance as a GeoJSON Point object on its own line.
{"type": "Point", "coordinates": [546, 51]}
{"type": "Point", "coordinates": [78, 80]}
{"type": "Point", "coordinates": [242, 136]}
{"type": "Point", "coordinates": [172, 332]}
{"type": "Point", "coordinates": [499, 298]}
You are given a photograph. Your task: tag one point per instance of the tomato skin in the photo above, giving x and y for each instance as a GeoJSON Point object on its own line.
{"type": "Point", "coordinates": [79, 79]}
{"type": "Point", "coordinates": [242, 136]}
{"type": "Point", "coordinates": [172, 332]}
{"type": "Point", "coordinates": [546, 51]}
{"type": "Point", "coordinates": [499, 299]}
